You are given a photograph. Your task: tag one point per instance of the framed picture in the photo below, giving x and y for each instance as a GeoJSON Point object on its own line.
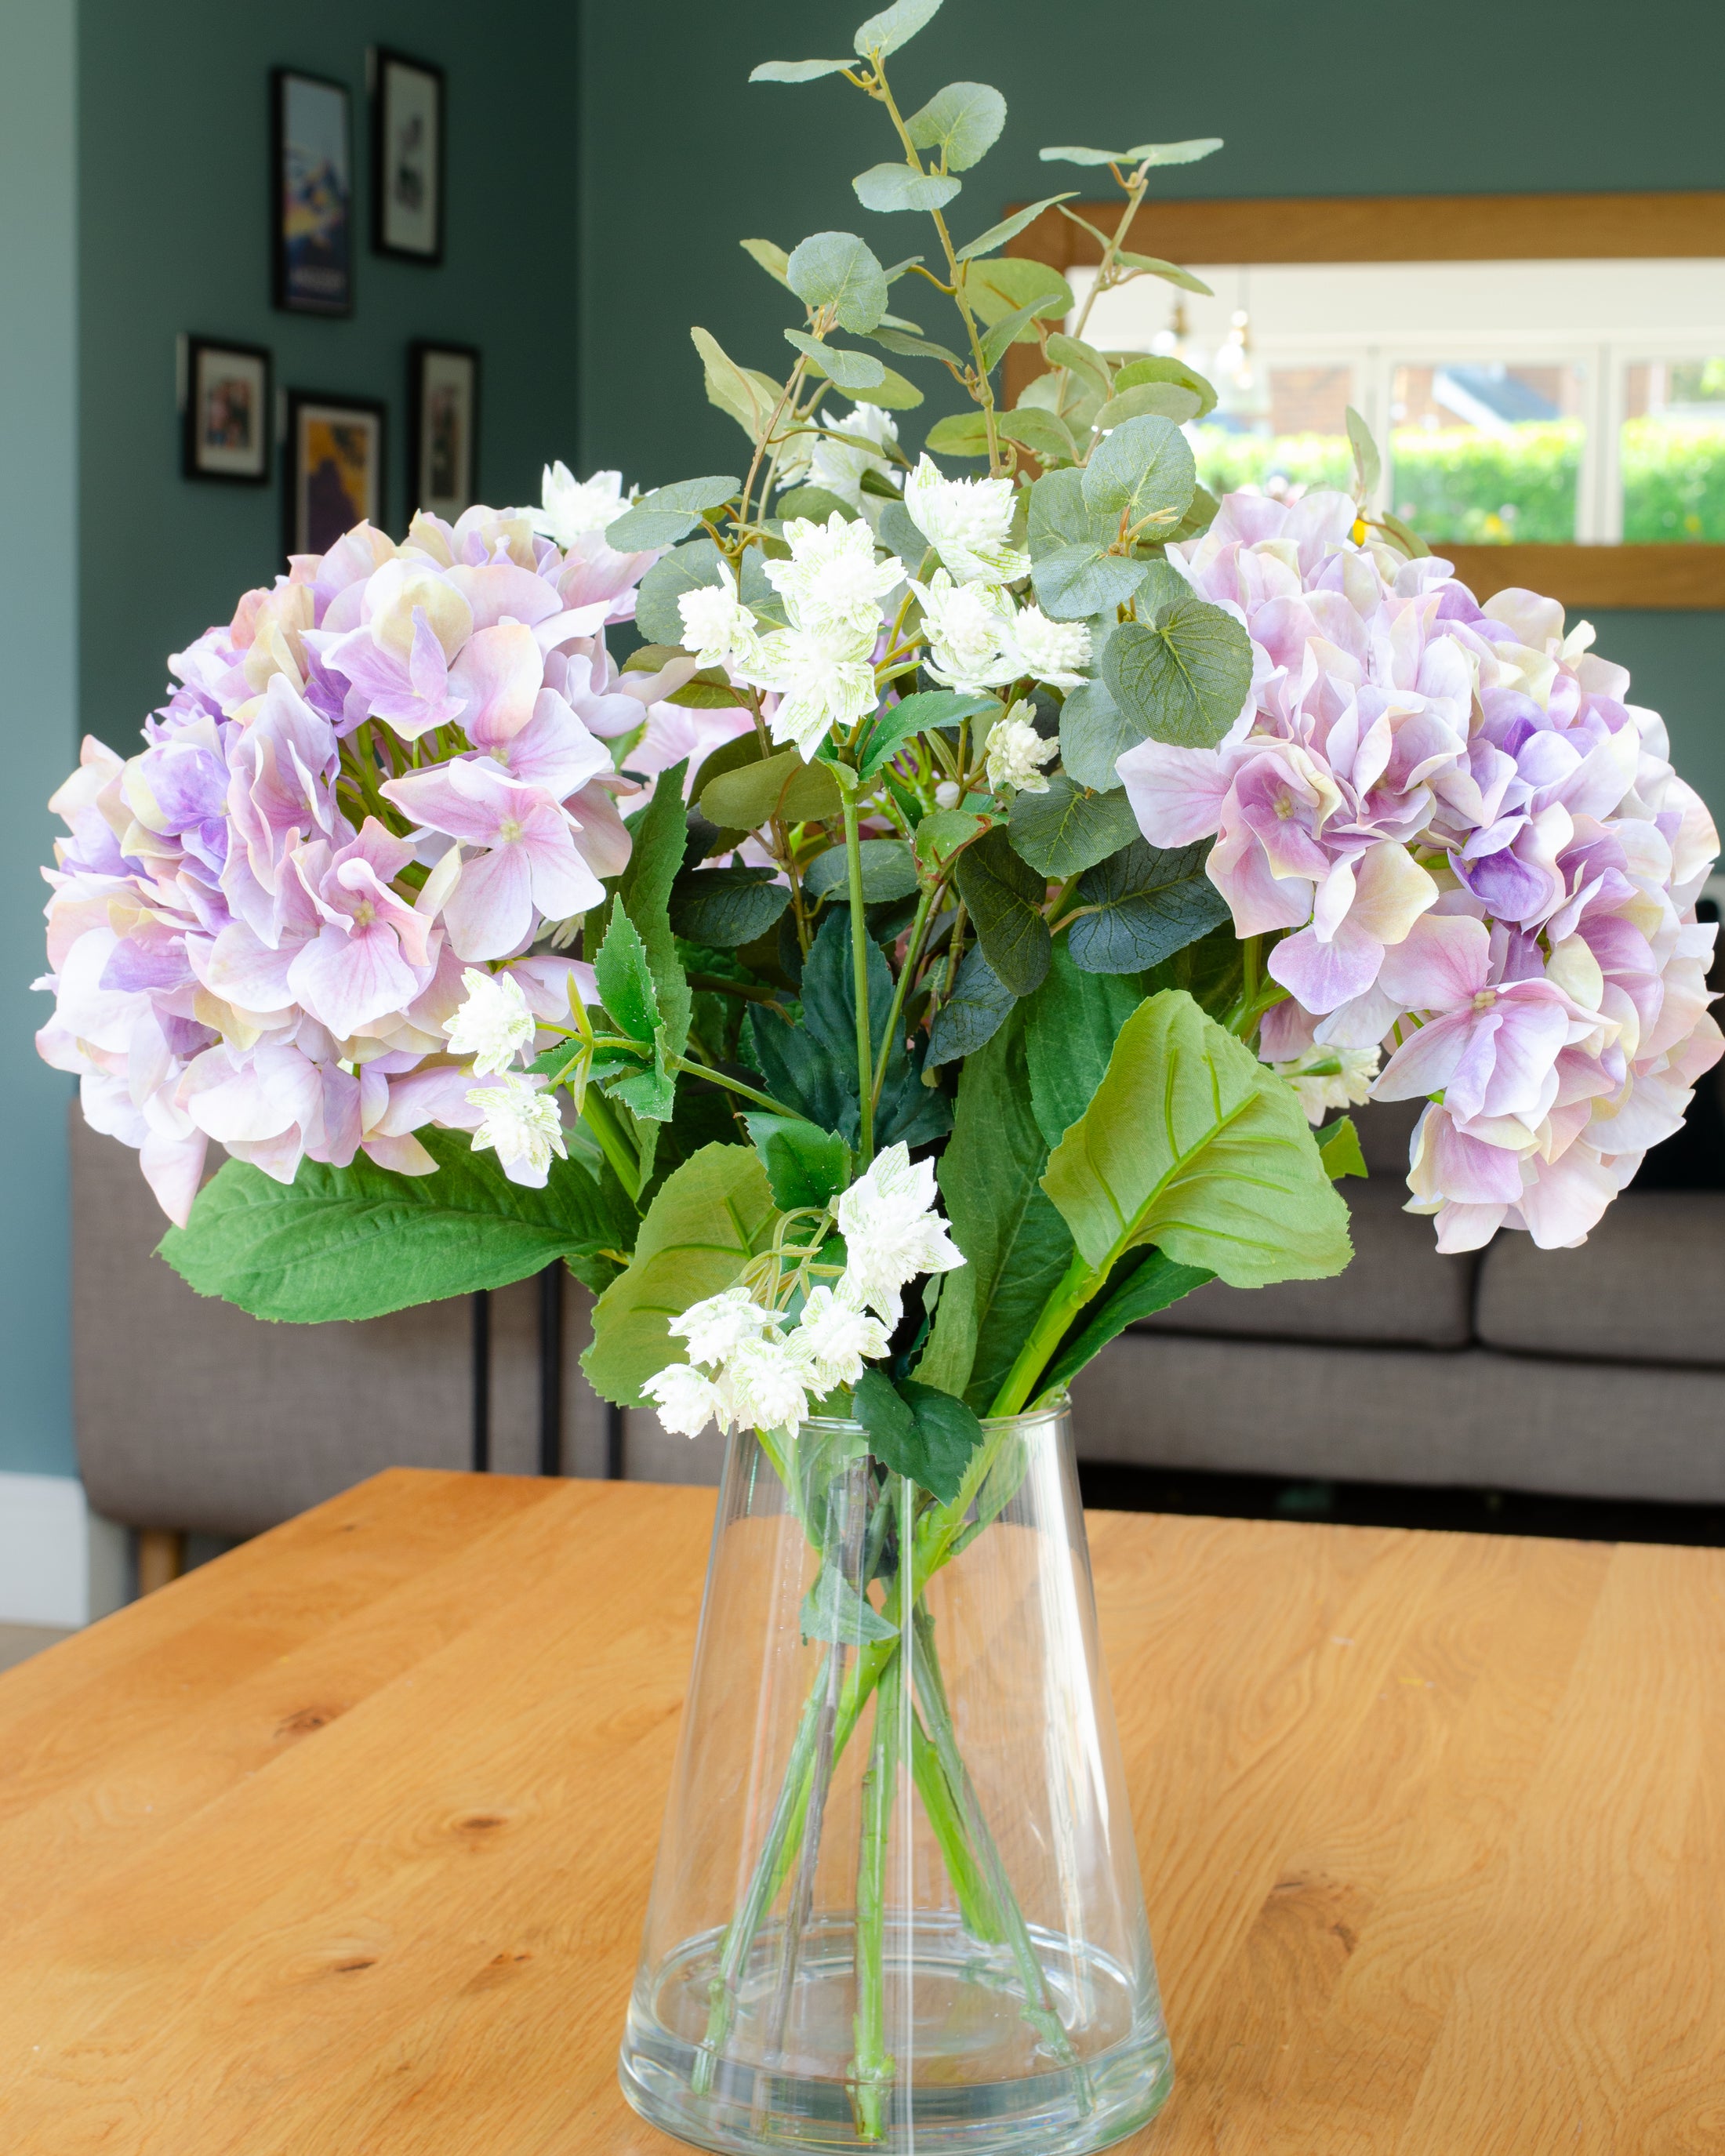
{"type": "Point", "coordinates": [406, 157]}
{"type": "Point", "coordinates": [228, 412]}
{"type": "Point", "coordinates": [312, 215]}
{"type": "Point", "coordinates": [443, 421]}
{"type": "Point", "coordinates": [334, 467]}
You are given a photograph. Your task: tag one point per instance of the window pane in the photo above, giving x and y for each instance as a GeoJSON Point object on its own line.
{"type": "Point", "coordinates": [1282, 437]}
{"type": "Point", "coordinates": [1673, 449]}
{"type": "Point", "coordinates": [1484, 451]}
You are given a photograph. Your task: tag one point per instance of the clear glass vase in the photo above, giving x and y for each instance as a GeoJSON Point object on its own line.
{"type": "Point", "coordinates": [897, 1903]}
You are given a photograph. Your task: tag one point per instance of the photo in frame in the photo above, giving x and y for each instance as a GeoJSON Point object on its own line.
{"type": "Point", "coordinates": [312, 194]}
{"type": "Point", "coordinates": [443, 422]}
{"type": "Point", "coordinates": [333, 467]}
{"type": "Point", "coordinates": [406, 157]}
{"type": "Point", "coordinates": [228, 417]}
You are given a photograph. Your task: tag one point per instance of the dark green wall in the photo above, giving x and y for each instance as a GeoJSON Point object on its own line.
{"type": "Point", "coordinates": [174, 134]}
{"type": "Point", "coordinates": [1329, 97]}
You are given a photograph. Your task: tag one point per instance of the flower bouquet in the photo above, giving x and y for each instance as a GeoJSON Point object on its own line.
{"type": "Point", "coordinates": [928, 953]}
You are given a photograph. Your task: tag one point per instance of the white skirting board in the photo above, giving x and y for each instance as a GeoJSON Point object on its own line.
{"type": "Point", "coordinates": [60, 1564]}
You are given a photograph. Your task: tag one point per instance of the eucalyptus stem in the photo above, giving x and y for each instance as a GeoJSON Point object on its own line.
{"type": "Point", "coordinates": [860, 970]}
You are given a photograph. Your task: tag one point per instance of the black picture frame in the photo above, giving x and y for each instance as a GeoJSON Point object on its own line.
{"type": "Point", "coordinates": [409, 161]}
{"type": "Point", "coordinates": [443, 427]}
{"type": "Point", "coordinates": [312, 196]}
{"type": "Point", "coordinates": [227, 424]}
{"type": "Point", "coordinates": [325, 491]}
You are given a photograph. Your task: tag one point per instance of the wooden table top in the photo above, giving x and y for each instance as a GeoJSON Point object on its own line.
{"type": "Point", "coordinates": [340, 1846]}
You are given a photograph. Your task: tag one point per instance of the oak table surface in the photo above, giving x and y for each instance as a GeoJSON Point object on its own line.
{"type": "Point", "coordinates": [340, 1846]}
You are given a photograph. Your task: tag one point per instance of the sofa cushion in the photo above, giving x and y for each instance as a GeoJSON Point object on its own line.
{"type": "Point", "coordinates": [1478, 1420]}
{"type": "Point", "coordinates": [1648, 1285]}
{"type": "Point", "coordinates": [1398, 1289]}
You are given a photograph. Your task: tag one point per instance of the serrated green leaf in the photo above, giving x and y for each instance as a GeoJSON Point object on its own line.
{"type": "Point", "coordinates": [1171, 272]}
{"type": "Point", "coordinates": [838, 270]}
{"type": "Point", "coordinates": [1010, 228]}
{"type": "Point", "coordinates": [1338, 1148]}
{"type": "Point", "coordinates": [726, 908]}
{"type": "Point", "coordinates": [1069, 828]}
{"type": "Point", "coordinates": [805, 1165]}
{"type": "Point", "coordinates": [973, 1014]}
{"type": "Point", "coordinates": [1143, 470]}
{"type": "Point", "coordinates": [960, 434]}
{"type": "Point", "coordinates": [1192, 1144]}
{"type": "Point", "coordinates": [625, 980]}
{"type": "Point", "coordinates": [962, 123]}
{"type": "Point", "coordinates": [916, 1430]}
{"type": "Point", "coordinates": [748, 795]}
{"type": "Point", "coordinates": [890, 188]}
{"type": "Point", "coordinates": [888, 872]}
{"type": "Point", "coordinates": [797, 70]}
{"type": "Point", "coordinates": [708, 1220]}
{"type": "Point", "coordinates": [894, 26]}
{"type": "Point", "coordinates": [1184, 681]}
{"type": "Point", "coordinates": [855, 371]}
{"type": "Point", "coordinates": [771, 256]}
{"type": "Point", "coordinates": [361, 1241]}
{"type": "Point", "coordinates": [1005, 898]}
{"type": "Point", "coordinates": [1149, 903]}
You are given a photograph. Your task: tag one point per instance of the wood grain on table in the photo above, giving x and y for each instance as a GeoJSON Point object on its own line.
{"type": "Point", "coordinates": [340, 1846]}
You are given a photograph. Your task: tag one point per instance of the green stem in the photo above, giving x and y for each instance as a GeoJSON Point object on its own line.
{"type": "Point", "coordinates": [860, 971]}
{"type": "Point", "coordinates": [723, 1078]}
{"type": "Point", "coordinates": [596, 1112]}
{"type": "Point", "coordinates": [913, 951]}
{"type": "Point", "coordinates": [1080, 1284]}
{"type": "Point", "coordinates": [872, 2065]}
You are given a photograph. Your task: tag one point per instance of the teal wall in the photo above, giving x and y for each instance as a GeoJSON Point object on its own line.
{"type": "Point", "coordinates": [38, 693]}
{"type": "Point", "coordinates": [1329, 97]}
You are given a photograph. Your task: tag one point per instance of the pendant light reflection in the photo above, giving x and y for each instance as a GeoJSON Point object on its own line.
{"type": "Point", "coordinates": [1242, 384]}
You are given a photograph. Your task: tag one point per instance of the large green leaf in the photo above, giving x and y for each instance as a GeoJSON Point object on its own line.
{"type": "Point", "coordinates": [959, 434]}
{"type": "Point", "coordinates": [1005, 897]}
{"type": "Point", "coordinates": [1185, 679]}
{"type": "Point", "coordinates": [659, 835]}
{"type": "Point", "coordinates": [1073, 572]}
{"type": "Point", "coordinates": [1016, 1246]}
{"type": "Point", "coordinates": [1150, 902]}
{"type": "Point", "coordinates": [1070, 1026]}
{"type": "Point", "coordinates": [1163, 367]}
{"type": "Point", "coordinates": [1045, 435]}
{"type": "Point", "coordinates": [899, 187]}
{"type": "Point", "coordinates": [894, 26]}
{"type": "Point", "coordinates": [1158, 400]}
{"type": "Point", "coordinates": [1017, 284]}
{"type": "Point", "coordinates": [707, 1220]}
{"type": "Point", "coordinates": [1144, 469]}
{"type": "Point", "coordinates": [361, 1241]}
{"type": "Point", "coordinates": [1084, 361]}
{"type": "Point", "coordinates": [1192, 1144]}
{"type": "Point", "coordinates": [1144, 1283]}
{"type": "Point", "coordinates": [726, 908]}
{"type": "Point", "coordinates": [836, 270]}
{"type": "Point", "coordinates": [974, 1012]}
{"type": "Point", "coordinates": [752, 792]}
{"type": "Point", "coordinates": [963, 122]}
{"type": "Point", "coordinates": [1068, 830]}
{"type": "Point", "coordinates": [888, 872]}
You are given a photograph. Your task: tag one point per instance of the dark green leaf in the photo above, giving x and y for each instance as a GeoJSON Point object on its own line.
{"type": "Point", "coordinates": [914, 715]}
{"type": "Point", "coordinates": [963, 122]}
{"type": "Point", "coordinates": [918, 1431]}
{"type": "Point", "coordinates": [1139, 1285]}
{"type": "Point", "coordinates": [1005, 898]}
{"type": "Point", "coordinates": [746, 796]}
{"type": "Point", "coordinates": [726, 908]}
{"type": "Point", "coordinates": [897, 187]}
{"type": "Point", "coordinates": [797, 70]}
{"type": "Point", "coordinates": [804, 1165]}
{"type": "Point", "coordinates": [1144, 469]}
{"type": "Point", "coordinates": [625, 981]}
{"type": "Point", "coordinates": [707, 1221]}
{"type": "Point", "coordinates": [1150, 903]}
{"type": "Point", "coordinates": [1070, 1026]}
{"type": "Point", "coordinates": [1184, 681]}
{"type": "Point", "coordinates": [1192, 1144]}
{"type": "Point", "coordinates": [974, 1012]}
{"type": "Point", "coordinates": [888, 871]}
{"type": "Point", "coordinates": [660, 836]}
{"type": "Point", "coordinates": [686, 570]}
{"type": "Point", "coordinates": [997, 235]}
{"type": "Point", "coordinates": [708, 690]}
{"type": "Point", "coordinates": [850, 370]}
{"type": "Point", "coordinates": [1067, 829]}
{"type": "Point", "coordinates": [894, 26]}
{"type": "Point", "coordinates": [836, 270]}
{"type": "Point", "coordinates": [359, 1241]}
{"type": "Point", "coordinates": [960, 434]}
{"type": "Point", "coordinates": [1338, 1148]}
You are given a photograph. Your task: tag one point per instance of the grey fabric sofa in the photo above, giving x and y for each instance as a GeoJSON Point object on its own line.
{"type": "Point", "coordinates": [1593, 1372]}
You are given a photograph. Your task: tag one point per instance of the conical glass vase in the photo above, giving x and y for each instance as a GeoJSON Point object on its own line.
{"type": "Point", "coordinates": [897, 1905]}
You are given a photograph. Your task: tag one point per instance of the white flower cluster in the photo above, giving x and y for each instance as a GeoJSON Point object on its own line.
{"type": "Point", "coordinates": [1326, 1077]}
{"type": "Point", "coordinates": [1017, 752]}
{"type": "Point", "coordinates": [518, 1121]}
{"type": "Point", "coordinates": [750, 1367]}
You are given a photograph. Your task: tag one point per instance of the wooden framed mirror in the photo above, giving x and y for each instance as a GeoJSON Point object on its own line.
{"type": "Point", "coordinates": [1545, 374]}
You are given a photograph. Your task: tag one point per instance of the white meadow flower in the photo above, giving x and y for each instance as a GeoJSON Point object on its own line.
{"type": "Point", "coordinates": [839, 467]}
{"type": "Point", "coordinates": [835, 1337]}
{"type": "Point", "coordinates": [717, 627]}
{"type": "Point", "coordinates": [769, 1386]}
{"type": "Point", "coordinates": [521, 1125]}
{"type": "Point", "coordinates": [891, 1233]}
{"type": "Point", "coordinates": [1017, 752]}
{"type": "Point", "coordinates": [1051, 651]}
{"type": "Point", "coordinates": [717, 1327]}
{"type": "Point", "coordinates": [494, 1025]}
{"type": "Point", "coordinates": [1325, 1078]}
{"type": "Point", "coordinates": [571, 507]}
{"type": "Point", "coordinates": [969, 632]}
{"type": "Point", "coordinates": [832, 579]}
{"type": "Point", "coordinates": [966, 522]}
{"type": "Point", "coordinates": [686, 1399]}
{"type": "Point", "coordinates": [825, 678]}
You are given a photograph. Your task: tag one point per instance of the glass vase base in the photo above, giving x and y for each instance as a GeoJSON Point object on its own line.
{"type": "Point", "coordinates": [982, 2079]}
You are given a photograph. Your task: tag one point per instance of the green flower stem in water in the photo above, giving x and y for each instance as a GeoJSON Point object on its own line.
{"type": "Point", "coordinates": [871, 2067]}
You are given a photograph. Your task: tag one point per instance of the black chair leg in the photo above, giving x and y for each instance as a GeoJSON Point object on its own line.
{"type": "Point", "coordinates": [551, 1370]}
{"type": "Point", "coordinates": [482, 1382]}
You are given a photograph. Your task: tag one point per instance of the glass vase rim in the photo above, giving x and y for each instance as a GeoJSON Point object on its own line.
{"type": "Point", "coordinates": [1050, 1411]}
